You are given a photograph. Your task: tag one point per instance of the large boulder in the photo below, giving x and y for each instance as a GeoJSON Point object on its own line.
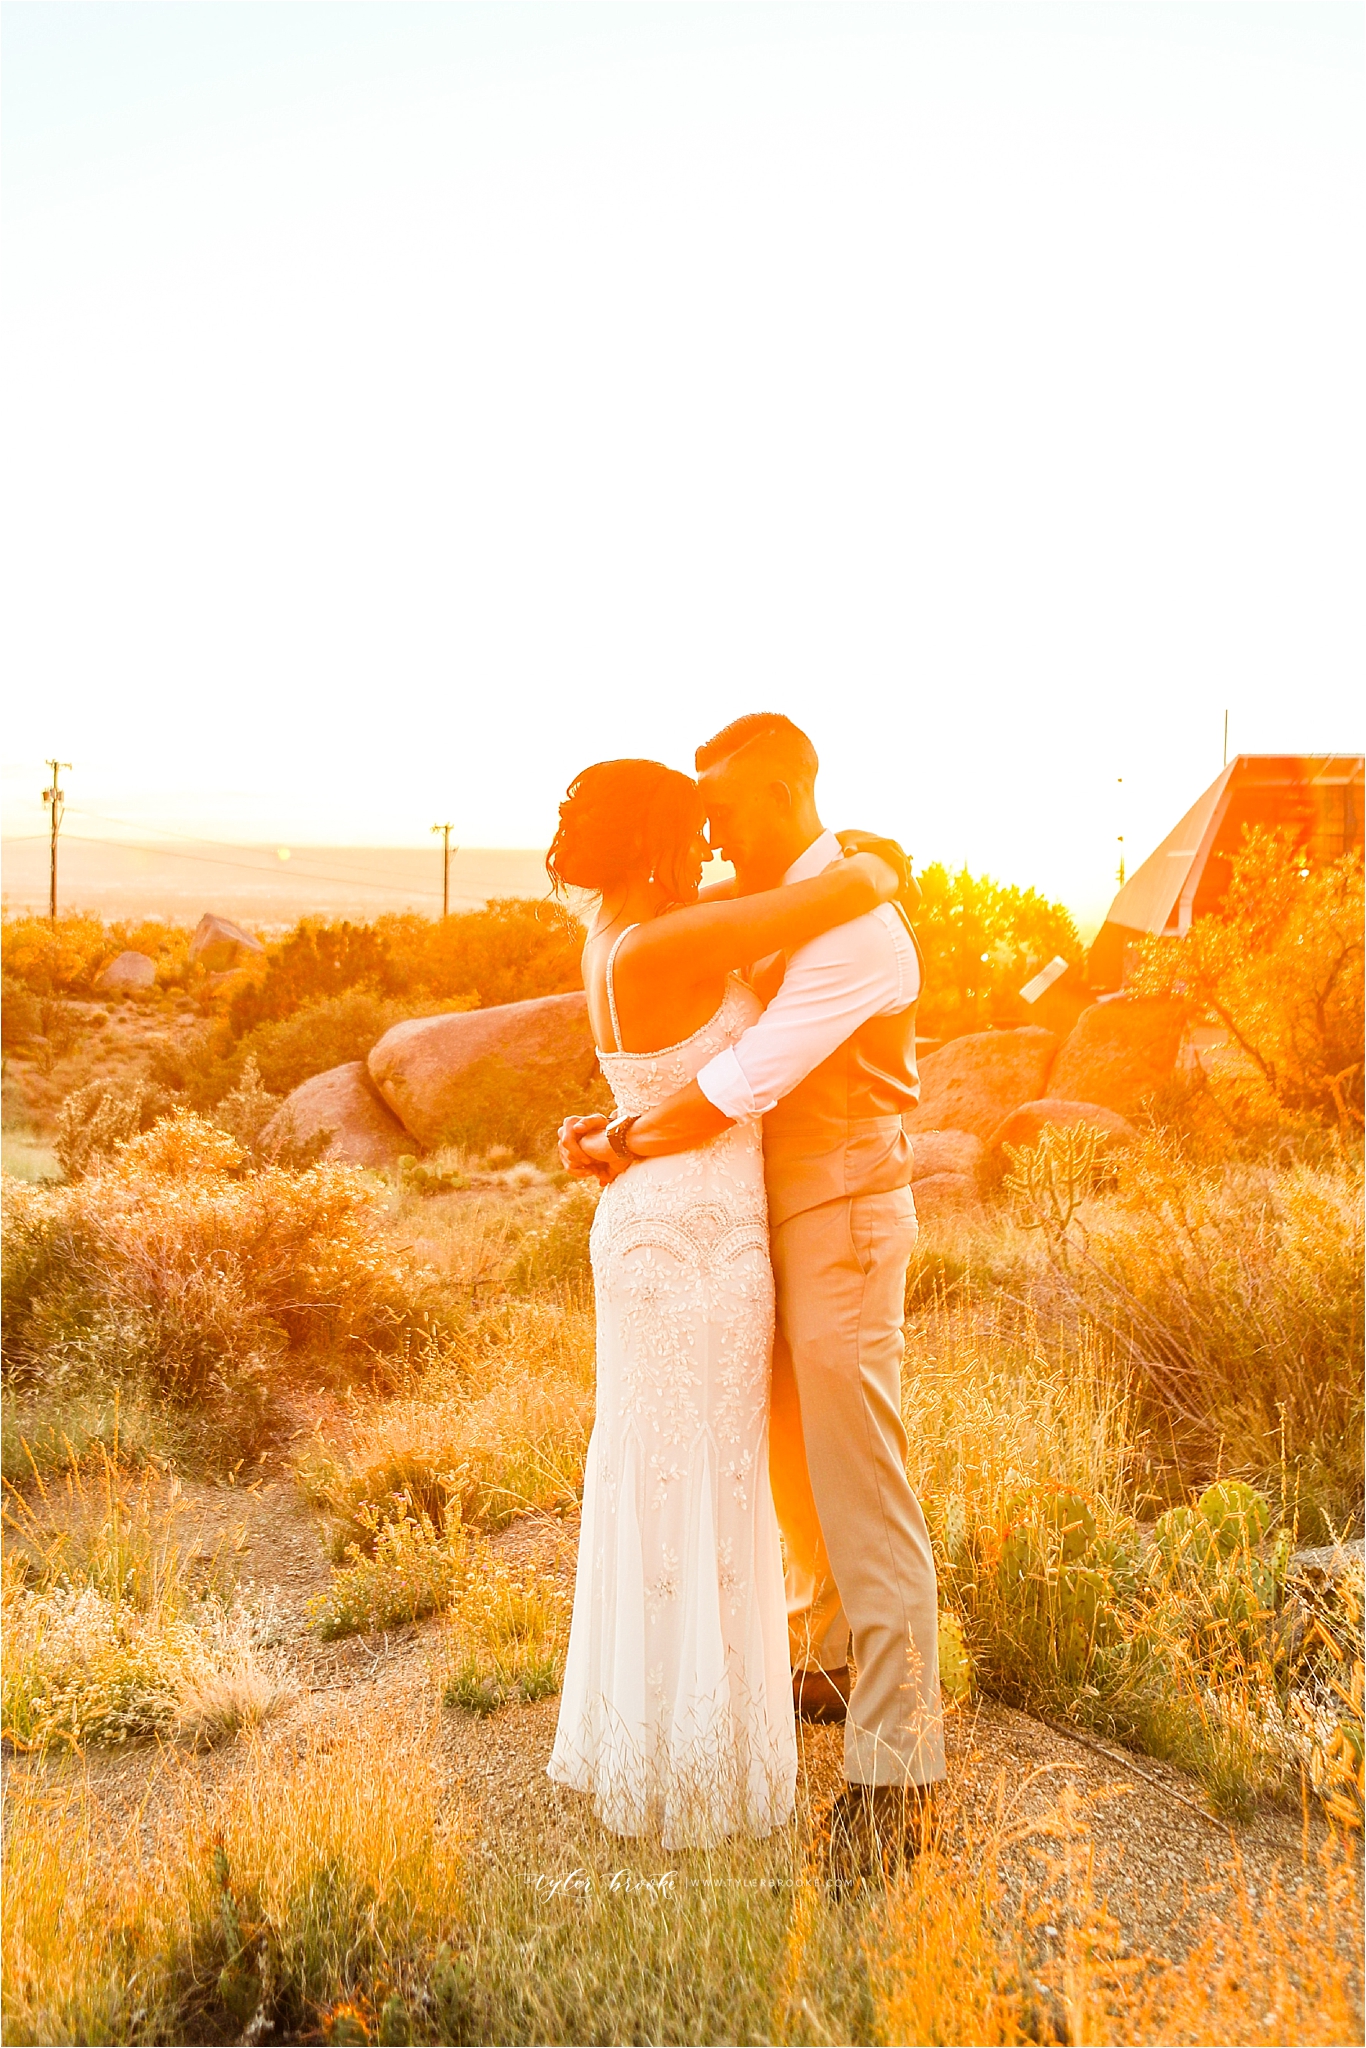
{"type": "Point", "coordinates": [972, 1083]}
{"type": "Point", "coordinates": [943, 1193]}
{"type": "Point", "coordinates": [342, 1102]}
{"type": "Point", "coordinates": [431, 1070]}
{"type": "Point", "coordinates": [126, 972]}
{"type": "Point", "coordinates": [1023, 1125]}
{"type": "Point", "coordinates": [938, 1152]}
{"type": "Point", "coordinates": [218, 943]}
{"type": "Point", "coordinates": [1119, 1053]}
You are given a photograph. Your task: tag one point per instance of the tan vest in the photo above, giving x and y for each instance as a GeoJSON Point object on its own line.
{"type": "Point", "coordinates": [839, 1132]}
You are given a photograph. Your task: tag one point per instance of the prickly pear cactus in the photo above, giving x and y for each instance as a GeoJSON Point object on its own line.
{"type": "Point", "coordinates": [955, 1658]}
{"type": "Point", "coordinates": [1238, 1515]}
{"type": "Point", "coordinates": [1073, 1519]}
{"type": "Point", "coordinates": [1185, 1541]}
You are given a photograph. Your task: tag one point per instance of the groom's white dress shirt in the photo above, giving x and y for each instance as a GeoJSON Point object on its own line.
{"type": "Point", "coordinates": [865, 968]}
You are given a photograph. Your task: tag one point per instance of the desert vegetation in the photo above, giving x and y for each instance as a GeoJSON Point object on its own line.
{"type": "Point", "coordinates": [1133, 1399]}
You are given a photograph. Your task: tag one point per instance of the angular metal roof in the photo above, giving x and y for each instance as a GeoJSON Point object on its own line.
{"type": "Point", "coordinates": [1320, 795]}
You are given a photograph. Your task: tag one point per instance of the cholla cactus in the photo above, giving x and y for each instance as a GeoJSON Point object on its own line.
{"type": "Point", "coordinates": [1051, 1178]}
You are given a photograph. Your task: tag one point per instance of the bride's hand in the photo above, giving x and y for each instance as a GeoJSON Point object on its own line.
{"type": "Point", "coordinates": [572, 1132]}
{"type": "Point", "coordinates": [884, 877]}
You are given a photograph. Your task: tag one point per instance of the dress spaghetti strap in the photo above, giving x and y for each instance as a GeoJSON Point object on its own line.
{"type": "Point", "coordinates": [611, 987]}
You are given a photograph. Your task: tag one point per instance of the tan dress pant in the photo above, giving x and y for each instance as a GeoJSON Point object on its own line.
{"type": "Point", "coordinates": [858, 1551]}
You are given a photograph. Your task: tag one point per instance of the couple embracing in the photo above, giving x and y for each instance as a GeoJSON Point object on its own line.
{"type": "Point", "coordinates": [749, 1258]}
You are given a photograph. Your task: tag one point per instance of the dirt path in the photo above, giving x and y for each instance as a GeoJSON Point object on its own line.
{"type": "Point", "coordinates": [1160, 1857]}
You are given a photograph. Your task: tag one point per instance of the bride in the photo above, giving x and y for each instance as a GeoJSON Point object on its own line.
{"type": "Point", "coordinates": [677, 1703]}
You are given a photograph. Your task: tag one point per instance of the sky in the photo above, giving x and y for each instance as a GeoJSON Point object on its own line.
{"type": "Point", "coordinates": [406, 405]}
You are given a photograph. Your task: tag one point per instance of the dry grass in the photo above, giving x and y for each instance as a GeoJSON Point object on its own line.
{"type": "Point", "coordinates": [499, 1427]}
{"type": "Point", "coordinates": [115, 1626]}
{"type": "Point", "coordinates": [321, 1880]}
{"type": "Point", "coordinates": [506, 1636]}
{"type": "Point", "coordinates": [957, 1954]}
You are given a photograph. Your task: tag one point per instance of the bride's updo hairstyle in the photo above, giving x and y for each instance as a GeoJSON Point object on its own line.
{"type": "Point", "coordinates": [625, 819]}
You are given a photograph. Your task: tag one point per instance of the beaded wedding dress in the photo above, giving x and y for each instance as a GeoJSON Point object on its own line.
{"type": "Point", "coordinates": [676, 1711]}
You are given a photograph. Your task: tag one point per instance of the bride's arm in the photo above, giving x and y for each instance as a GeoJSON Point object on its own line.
{"type": "Point", "coordinates": [709, 938]}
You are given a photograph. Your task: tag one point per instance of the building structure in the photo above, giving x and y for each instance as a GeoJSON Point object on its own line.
{"type": "Point", "coordinates": [1318, 795]}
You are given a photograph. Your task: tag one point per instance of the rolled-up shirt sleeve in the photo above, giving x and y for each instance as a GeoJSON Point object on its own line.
{"type": "Point", "coordinates": [833, 984]}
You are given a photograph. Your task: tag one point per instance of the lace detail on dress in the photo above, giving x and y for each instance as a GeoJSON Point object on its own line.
{"type": "Point", "coordinates": [677, 1702]}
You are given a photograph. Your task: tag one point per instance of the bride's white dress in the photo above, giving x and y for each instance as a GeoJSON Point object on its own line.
{"type": "Point", "coordinates": [677, 1703]}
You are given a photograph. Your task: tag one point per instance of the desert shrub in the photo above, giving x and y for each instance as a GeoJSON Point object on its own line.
{"type": "Point", "coordinates": [1236, 1296]}
{"type": "Point", "coordinates": [55, 958]}
{"type": "Point", "coordinates": [44, 1425]}
{"type": "Point", "coordinates": [115, 1628]}
{"type": "Point", "coordinates": [506, 1636]}
{"type": "Point", "coordinates": [510, 950]}
{"type": "Point", "coordinates": [520, 1108]}
{"type": "Point", "coordinates": [496, 1429]}
{"type": "Point", "coordinates": [246, 1109]}
{"type": "Point", "coordinates": [200, 1068]}
{"type": "Point", "coordinates": [1279, 965]}
{"type": "Point", "coordinates": [311, 1893]}
{"type": "Point", "coordinates": [327, 1032]}
{"type": "Point", "coordinates": [167, 945]}
{"type": "Point", "coordinates": [93, 1121]}
{"type": "Point", "coordinates": [1033, 1455]}
{"type": "Point", "coordinates": [981, 942]}
{"type": "Point", "coordinates": [179, 1268]}
{"type": "Point", "coordinates": [553, 1253]}
{"type": "Point", "coordinates": [1066, 1611]}
{"type": "Point", "coordinates": [21, 1019]}
{"type": "Point", "coordinates": [403, 1568]}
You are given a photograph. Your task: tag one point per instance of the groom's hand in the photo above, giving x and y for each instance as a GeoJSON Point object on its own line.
{"type": "Point", "coordinates": [572, 1156]}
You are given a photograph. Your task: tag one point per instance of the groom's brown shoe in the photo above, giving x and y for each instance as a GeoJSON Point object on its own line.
{"type": "Point", "coordinates": [875, 1829]}
{"type": "Point", "coordinates": [821, 1696]}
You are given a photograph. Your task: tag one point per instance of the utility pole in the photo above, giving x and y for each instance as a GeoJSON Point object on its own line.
{"type": "Point", "coordinates": [56, 798]}
{"type": "Point", "coordinates": [445, 831]}
{"type": "Point", "coordinates": [1119, 872]}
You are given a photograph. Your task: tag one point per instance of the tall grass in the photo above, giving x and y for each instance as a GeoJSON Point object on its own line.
{"type": "Point", "coordinates": [117, 1624]}
{"type": "Point", "coordinates": [310, 1895]}
{"type": "Point", "coordinates": [1236, 1297]}
{"type": "Point", "coordinates": [1031, 1449]}
{"type": "Point", "coordinates": [497, 1428]}
{"type": "Point", "coordinates": [333, 1890]}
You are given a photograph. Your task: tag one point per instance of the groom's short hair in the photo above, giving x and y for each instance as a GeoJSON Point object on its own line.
{"type": "Point", "coordinates": [781, 742]}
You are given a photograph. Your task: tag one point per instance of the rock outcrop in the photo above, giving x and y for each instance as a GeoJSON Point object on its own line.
{"type": "Point", "coordinates": [362, 1131]}
{"type": "Point", "coordinates": [1120, 1052]}
{"type": "Point", "coordinates": [126, 972]}
{"type": "Point", "coordinates": [1023, 1125]}
{"type": "Point", "coordinates": [428, 1068]}
{"type": "Point", "coordinates": [938, 1192]}
{"type": "Point", "coordinates": [946, 1152]}
{"type": "Point", "coordinates": [971, 1084]}
{"type": "Point", "coordinates": [219, 944]}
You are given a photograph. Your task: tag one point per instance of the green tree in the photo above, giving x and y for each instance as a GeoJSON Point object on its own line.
{"type": "Point", "coordinates": [981, 942]}
{"type": "Point", "coordinates": [1279, 965]}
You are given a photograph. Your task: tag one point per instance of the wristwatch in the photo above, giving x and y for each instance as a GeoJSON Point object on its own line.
{"type": "Point", "coordinates": [618, 1131]}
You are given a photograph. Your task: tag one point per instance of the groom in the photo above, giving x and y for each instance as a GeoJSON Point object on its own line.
{"type": "Point", "coordinates": [831, 1067]}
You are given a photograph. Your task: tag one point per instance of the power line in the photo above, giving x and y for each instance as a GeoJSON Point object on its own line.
{"type": "Point", "coordinates": [213, 861]}
{"type": "Point", "coordinates": [232, 845]}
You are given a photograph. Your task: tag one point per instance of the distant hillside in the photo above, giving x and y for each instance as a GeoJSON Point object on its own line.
{"type": "Point", "coordinates": [253, 883]}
